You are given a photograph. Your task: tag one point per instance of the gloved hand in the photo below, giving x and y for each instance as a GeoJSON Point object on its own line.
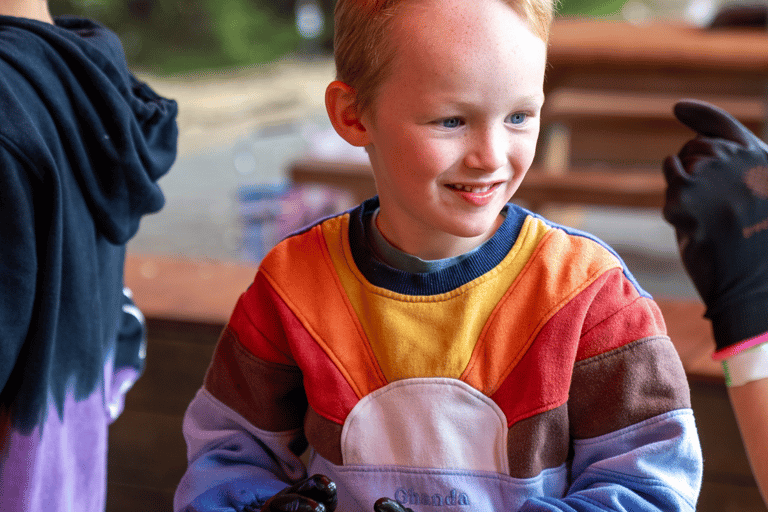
{"type": "Point", "coordinates": [389, 505]}
{"type": "Point", "coordinates": [315, 494]}
{"type": "Point", "coordinates": [717, 201]}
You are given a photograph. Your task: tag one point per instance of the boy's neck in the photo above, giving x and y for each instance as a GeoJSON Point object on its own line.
{"type": "Point", "coordinates": [435, 248]}
{"type": "Point", "coordinates": [395, 258]}
{"type": "Point", "coordinates": [31, 9]}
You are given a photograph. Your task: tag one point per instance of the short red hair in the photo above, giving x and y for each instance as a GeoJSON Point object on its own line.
{"type": "Point", "coordinates": [364, 54]}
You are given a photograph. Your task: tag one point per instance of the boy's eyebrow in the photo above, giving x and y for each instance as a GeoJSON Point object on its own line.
{"type": "Point", "coordinates": [536, 99]}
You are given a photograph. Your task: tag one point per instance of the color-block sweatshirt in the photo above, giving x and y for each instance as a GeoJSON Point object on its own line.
{"type": "Point", "coordinates": [534, 374]}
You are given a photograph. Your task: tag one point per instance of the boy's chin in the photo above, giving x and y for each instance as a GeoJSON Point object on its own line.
{"type": "Point", "coordinates": [479, 231]}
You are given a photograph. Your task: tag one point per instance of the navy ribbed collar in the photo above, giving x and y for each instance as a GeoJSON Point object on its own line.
{"type": "Point", "coordinates": [489, 255]}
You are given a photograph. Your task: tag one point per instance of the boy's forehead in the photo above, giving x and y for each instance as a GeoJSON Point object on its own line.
{"type": "Point", "coordinates": [478, 51]}
{"type": "Point", "coordinates": [434, 23]}
{"type": "Point", "coordinates": [449, 32]}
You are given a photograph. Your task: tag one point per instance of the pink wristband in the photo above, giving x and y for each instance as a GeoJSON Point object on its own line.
{"type": "Point", "coordinates": [739, 347]}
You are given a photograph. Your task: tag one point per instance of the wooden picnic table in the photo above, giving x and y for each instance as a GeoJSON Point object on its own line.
{"type": "Point", "coordinates": [611, 85]}
{"type": "Point", "coordinates": [657, 56]}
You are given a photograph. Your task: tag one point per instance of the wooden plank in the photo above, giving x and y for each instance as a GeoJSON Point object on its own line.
{"type": "Point", "coordinates": [728, 484]}
{"type": "Point", "coordinates": [686, 324]}
{"type": "Point", "coordinates": [184, 289]}
{"type": "Point", "coordinates": [659, 57]}
{"type": "Point", "coordinates": [357, 178]}
{"type": "Point", "coordinates": [692, 336]}
{"type": "Point", "coordinates": [627, 187]}
{"type": "Point", "coordinates": [577, 104]}
{"type": "Point", "coordinates": [726, 460]}
{"type": "Point", "coordinates": [617, 128]}
{"type": "Point", "coordinates": [147, 455]}
{"type": "Point", "coordinates": [614, 143]}
{"type": "Point", "coordinates": [133, 498]}
{"type": "Point", "coordinates": [174, 372]}
{"type": "Point", "coordinates": [729, 496]}
{"type": "Point", "coordinates": [591, 42]}
{"type": "Point", "coordinates": [147, 450]}
{"type": "Point", "coordinates": [223, 283]}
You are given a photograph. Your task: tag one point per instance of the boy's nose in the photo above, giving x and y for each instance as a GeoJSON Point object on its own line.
{"type": "Point", "coordinates": [487, 151]}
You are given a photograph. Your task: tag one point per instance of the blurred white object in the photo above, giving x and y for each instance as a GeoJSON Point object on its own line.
{"type": "Point", "coordinates": [325, 144]}
{"type": "Point", "coordinates": [700, 12]}
{"type": "Point", "coordinates": [309, 19]}
{"type": "Point", "coordinates": [636, 12]}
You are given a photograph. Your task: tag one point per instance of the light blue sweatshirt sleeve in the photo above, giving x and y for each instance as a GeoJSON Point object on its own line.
{"type": "Point", "coordinates": [231, 463]}
{"type": "Point", "coordinates": [652, 466]}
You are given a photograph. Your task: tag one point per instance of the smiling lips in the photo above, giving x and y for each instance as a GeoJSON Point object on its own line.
{"type": "Point", "coordinates": [476, 195]}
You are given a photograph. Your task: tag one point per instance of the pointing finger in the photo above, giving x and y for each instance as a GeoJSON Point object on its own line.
{"type": "Point", "coordinates": [711, 121]}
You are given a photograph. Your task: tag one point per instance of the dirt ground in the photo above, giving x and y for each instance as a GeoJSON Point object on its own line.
{"type": "Point", "coordinates": [251, 115]}
{"type": "Point", "coordinates": [218, 108]}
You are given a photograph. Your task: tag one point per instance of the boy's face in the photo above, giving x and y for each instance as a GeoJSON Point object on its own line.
{"type": "Point", "coordinates": [453, 129]}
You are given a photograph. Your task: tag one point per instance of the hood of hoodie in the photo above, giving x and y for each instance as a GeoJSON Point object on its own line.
{"type": "Point", "coordinates": [75, 104]}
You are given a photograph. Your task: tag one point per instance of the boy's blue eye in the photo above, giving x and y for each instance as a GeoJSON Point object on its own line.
{"type": "Point", "coordinates": [517, 118]}
{"type": "Point", "coordinates": [451, 122]}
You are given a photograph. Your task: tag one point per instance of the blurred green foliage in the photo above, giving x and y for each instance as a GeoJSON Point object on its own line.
{"type": "Point", "coordinates": [590, 8]}
{"type": "Point", "coordinates": [168, 37]}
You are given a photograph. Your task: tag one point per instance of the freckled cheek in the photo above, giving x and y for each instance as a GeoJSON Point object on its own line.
{"type": "Point", "coordinates": [427, 160]}
{"type": "Point", "coordinates": [522, 155]}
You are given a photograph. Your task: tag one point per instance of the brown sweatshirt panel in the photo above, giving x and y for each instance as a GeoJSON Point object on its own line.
{"type": "Point", "coordinates": [269, 395]}
{"type": "Point", "coordinates": [324, 436]}
{"type": "Point", "coordinates": [625, 386]}
{"type": "Point", "coordinates": [538, 443]}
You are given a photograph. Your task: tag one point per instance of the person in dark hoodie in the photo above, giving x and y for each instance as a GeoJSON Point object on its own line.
{"type": "Point", "coordinates": [82, 145]}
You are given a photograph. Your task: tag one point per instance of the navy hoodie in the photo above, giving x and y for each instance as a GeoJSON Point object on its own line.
{"type": "Point", "coordinates": [82, 145]}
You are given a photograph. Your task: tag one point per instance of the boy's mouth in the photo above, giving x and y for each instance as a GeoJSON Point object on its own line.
{"type": "Point", "coordinates": [473, 189]}
{"type": "Point", "coordinates": [477, 195]}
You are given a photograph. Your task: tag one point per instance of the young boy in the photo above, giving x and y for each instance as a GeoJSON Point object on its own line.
{"type": "Point", "coordinates": [436, 345]}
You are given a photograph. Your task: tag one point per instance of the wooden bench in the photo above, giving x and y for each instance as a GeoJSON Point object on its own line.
{"type": "Point", "coordinates": [187, 302]}
{"type": "Point", "coordinates": [658, 56]}
{"type": "Point", "coordinates": [620, 129]}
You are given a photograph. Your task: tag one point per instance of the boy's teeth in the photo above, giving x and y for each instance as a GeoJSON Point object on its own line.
{"type": "Point", "coordinates": [474, 190]}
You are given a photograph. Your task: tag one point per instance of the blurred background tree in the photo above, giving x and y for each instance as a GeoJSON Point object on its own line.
{"type": "Point", "coordinates": [596, 8]}
{"type": "Point", "coordinates": [169, 37]}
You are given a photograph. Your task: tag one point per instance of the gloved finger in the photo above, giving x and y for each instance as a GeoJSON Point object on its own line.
{"type": "Point", "coordinates": [674, 171]}
{"type": "Point", "coordinates": [705, 148]}
{"type": "Point", "coordinates": [679, 218]}
{"type": "Point", "coordinates": [675, 210]}
{"type": "Point", "coordinates": [320, 488]}
{"type": "Point", "coordinates": [292, 503]}
{"type": "Point", "coordinates": [699, 147]}
{"type": "Point", "coordinates": [389, 505]}
{"type": "Point", "coordinates": [711, 121]}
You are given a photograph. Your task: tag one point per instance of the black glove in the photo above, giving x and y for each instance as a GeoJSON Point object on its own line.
{"type": "Point", "coordinates": [717, 201]}
{"type": "Point", "coordinates": [315, 494]}
{"type": "Point", "coordinates": [389, 505]}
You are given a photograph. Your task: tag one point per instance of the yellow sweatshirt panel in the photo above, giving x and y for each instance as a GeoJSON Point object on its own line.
{"type": "Point", "coordinates": [426, 336]}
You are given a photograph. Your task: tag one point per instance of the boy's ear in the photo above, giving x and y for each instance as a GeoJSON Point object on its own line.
{"type": "Point", "coordinates": [342, 111]}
